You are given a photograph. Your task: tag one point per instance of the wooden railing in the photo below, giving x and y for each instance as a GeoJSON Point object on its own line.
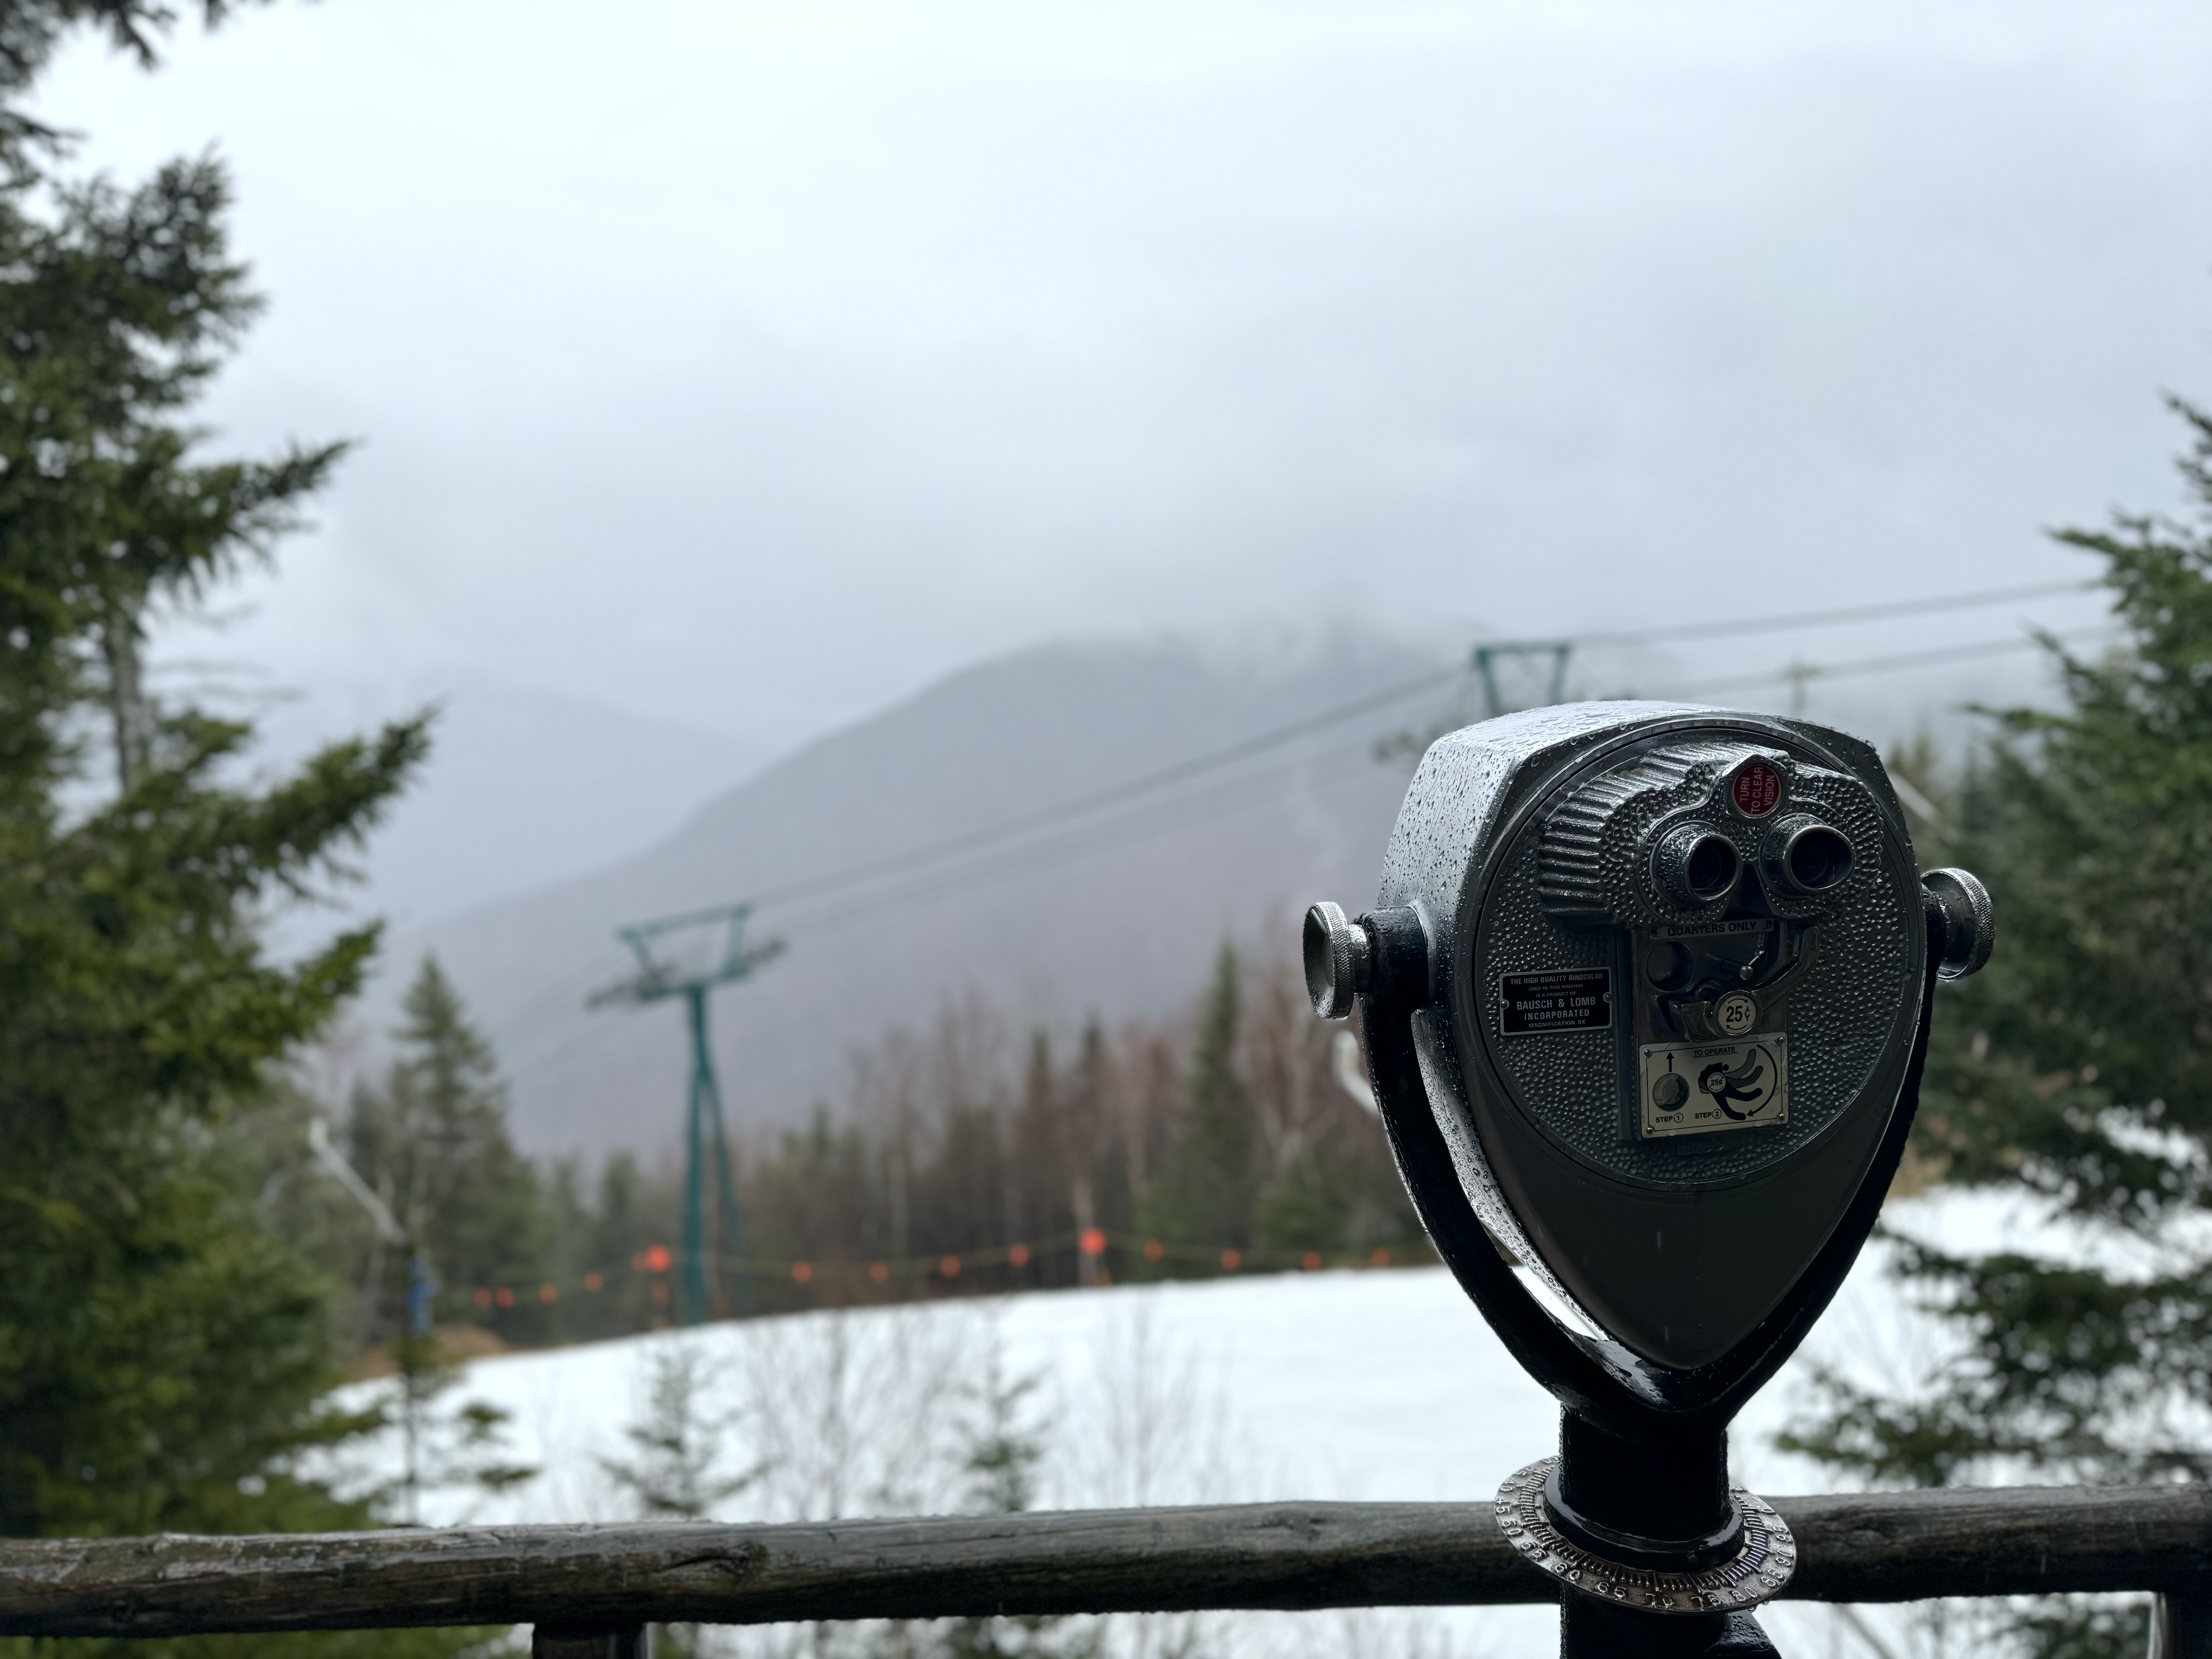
{"type": "Point", "coordinates": [590, 1588]}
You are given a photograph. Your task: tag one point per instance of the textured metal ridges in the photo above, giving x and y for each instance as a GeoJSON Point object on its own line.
{"type": "Point", "coordinates": [1572, 859]}
{"type": "Point", "coordinates": [1864, 973]}
{"type": "Point", "coordinates": [1757, 1573]}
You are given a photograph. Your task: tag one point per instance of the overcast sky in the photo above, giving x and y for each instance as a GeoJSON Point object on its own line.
{"type": "Point", "coordinates": [747, 365]}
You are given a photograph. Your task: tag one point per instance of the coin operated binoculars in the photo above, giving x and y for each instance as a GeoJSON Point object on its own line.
{"type": "Point", "coordinates": [1645, 994]}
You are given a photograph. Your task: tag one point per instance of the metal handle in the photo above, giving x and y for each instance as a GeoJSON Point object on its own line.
{"type": "Point", "coordinates": [1969, 926]}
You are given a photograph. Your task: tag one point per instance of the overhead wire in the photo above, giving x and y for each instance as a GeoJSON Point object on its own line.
{"type": "Point", "coordinates": [1882, 611]}
{"type": "Point", "coordinates": [556, 1001]}
{"type": "Point", "coordinates": [575, 1039]}
{"type": "Point", "coordinates": [1243, 794]}
{"type": "Point", "coordinates": [1234, 795]}
{"type": "Point", "coordinates": [1154, 819]}
{"type": "Point", "coordinates": [1093, 800]}
{"type": "Point", "coordinates": [1098, 816]}
{"type": "Point", "coordinates": [1112, 794]}
{"type": "Point", "coordinates": [1944, 655]}
{"type": "Point", "coordinates": [551, 1002]}
{"type": "Point", "coordinates": [1108, 836]}
{"type": "Point", "coordinates": [1254, 790]}
{"type": "Point", "coordinates": [1156, 813]}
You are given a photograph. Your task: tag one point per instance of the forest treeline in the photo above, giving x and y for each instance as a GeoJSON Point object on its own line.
{"type": "Point", "coordinates": [189, 1278]}
{"type": "Point", "coordinates": [967, 1157]}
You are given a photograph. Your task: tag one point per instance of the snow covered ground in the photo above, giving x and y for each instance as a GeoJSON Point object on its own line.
{"type": "Point", "coordinates": [1371, 1385]}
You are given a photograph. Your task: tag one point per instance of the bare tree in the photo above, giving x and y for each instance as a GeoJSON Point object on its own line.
{"type": "Point", "coordinates": [1283, 1053]}
{"type": "Point", "coordinates": [1146, 1420]}
{"type": "Point", "coordinates": [1146, 1087]}
{"type": "Point", "coordinates": [1081, 1146]}
{"type": "Point", "coordinates": [854, 1412]}
{"type": "Point", "coordinates": [886, 1087]}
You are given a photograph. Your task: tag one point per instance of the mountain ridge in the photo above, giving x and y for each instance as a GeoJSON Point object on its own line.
{"type": "Point", "coordinates": [1111, 910]}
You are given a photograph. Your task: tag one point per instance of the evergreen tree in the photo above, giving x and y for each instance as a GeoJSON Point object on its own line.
{"type": "Point", "coordinates": [161, 1352]}
{"type": "Point", "coordinates": [675, 1471]}
{"type": "Point", "coordinates": [596, 1235]}
{"type": "Point", "coordinates": [1003, 1450]}
{"type": "Point", "coordinates": [433, 1141]}
{"type": "Point", "coordinates": [2076, 1072]}
{"type": "Point", "coordinates": [166, 1353]}
{"type": "Point", "coordinates": [1205, 1194]}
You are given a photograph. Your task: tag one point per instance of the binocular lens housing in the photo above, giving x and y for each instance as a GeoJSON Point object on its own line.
{"type": "Point", "coordinates": [1695, 863]}
{"type": "Point", "coordinates": [1805, 854]}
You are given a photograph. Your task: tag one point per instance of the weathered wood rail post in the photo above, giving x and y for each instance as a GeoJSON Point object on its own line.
{"type": "Point", "coordinates": [589, 1590]}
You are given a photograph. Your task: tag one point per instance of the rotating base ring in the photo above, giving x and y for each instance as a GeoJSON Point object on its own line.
{"type": "Point", "coordinates": [1755, 1574]}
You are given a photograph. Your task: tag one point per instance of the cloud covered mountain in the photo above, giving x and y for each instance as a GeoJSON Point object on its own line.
{"type": "Point", "coordinates": [977, 838]}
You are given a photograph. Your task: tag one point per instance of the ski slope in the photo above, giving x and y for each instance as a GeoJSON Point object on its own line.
{"type": "Point", "coordinates": [1334, 1385]}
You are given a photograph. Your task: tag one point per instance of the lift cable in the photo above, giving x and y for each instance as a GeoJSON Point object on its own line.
{"type": "Point", "coordinates": [1150, 820]}
{"type": "Point", "coordinates": [1093, 800]}
{"type": "Point", "coordinates": [1232, 796]}
{"type": "Point", "coordinates": [1092, 803]}
{"type": "Point", "coordinates": [1114, 794]}
{"type": "Point", "coordinates": [1859, 613]}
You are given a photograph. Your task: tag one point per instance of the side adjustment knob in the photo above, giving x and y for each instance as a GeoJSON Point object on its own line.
{"type": "Point", "coordinates": [1339, 959]}
{"type": "Point", "coordinates": [1969, 926]}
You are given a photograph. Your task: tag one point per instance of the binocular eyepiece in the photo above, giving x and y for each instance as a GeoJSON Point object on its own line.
{"type": "Point", "coordinates": [1696, 865]}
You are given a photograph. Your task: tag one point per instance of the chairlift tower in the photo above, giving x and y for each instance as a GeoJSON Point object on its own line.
{"type": "Point", "coordinates": [687, 956]}
{"type": "Point", "coordinates": [1488, 657]}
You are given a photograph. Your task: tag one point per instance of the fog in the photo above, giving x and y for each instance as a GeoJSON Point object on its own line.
{"type": "Point", "coordinates": [742, 367]}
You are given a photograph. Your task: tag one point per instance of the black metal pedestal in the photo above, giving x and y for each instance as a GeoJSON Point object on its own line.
{"type": "Point", "coordinates": [1662, 1506]}
{"type": "Point", "coordinates": [1641, 1492]}
{"type": "Point", "coordinates": [1588, 1629]}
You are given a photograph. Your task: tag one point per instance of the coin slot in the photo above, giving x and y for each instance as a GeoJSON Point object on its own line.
{"type": "Point", "coordinates": [1668, 965]}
